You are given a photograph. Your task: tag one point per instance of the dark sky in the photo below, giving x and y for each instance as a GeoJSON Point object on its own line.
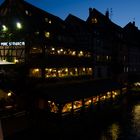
{"type": "Point", "coordinates": [123, 11]}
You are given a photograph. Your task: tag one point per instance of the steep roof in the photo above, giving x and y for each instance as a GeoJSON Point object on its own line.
{"type": "Point", "coordinates": [19, 6]}
{"type": "Point", "coordinates": [75, 23]}
{"type": "Point", "coordinates": [30, 16]}
{"type": "Point", "coordinates": [22, 8]}
{"type": "Point", "coordinates": [103, 20]}
{"type": "Point", "coordinates": [74, 18]}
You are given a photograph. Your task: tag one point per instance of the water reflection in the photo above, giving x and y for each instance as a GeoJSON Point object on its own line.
{"type": "Point", "coordinates": [111, 133]}
{"type": "Point", "coordinates": [124, 126]}
{"type": "Point", "coordinates": [127, 127]}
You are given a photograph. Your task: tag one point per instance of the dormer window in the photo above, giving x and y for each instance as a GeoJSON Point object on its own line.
{"type": "Point", "coordinates": [47, 34]}
{"type": "Point", "coordinates": [48, 20]}
{"type": "Point", "coordinates": [94, 20]}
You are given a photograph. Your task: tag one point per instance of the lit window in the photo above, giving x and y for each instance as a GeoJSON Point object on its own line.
{"type": "Point", "coordinates": [37, 32]}
{"type": "Point", "coordinates": [94, 20]}
{"type": "Point", "coordinates": [16, 61]}
{"type": "Point", "coordinates": [74, 53]}
{"type": "Point", "coordinates": [61, 50]}
{"type": "Point", "coordinates": [26, 11]}
{"type": "Point", "coordinates": [127, 69]}
{"type": "Point", "coordinates": [77, 104]}
{"type": "Point", "coordinates": [89, 71]}
{"type": "Point", "coordinates": [67, 108]}
{"type": "Point", "coordinates": [81, 53]}
{"type": "Point", "coordinates": [53, 107]}
{"type": "Point", "coordinates": [18, 24]}
{"type": "Point", "coordinates": [46, 19]}
{"type": "Point", "coordinates": [9, 94]}
{"type": "Point", "coordinates": [50, 21]}
{"type": "Point", "coordinates": [107, 57]}
{"type": "Point", "coordinates": [88, 102]}
{"type": "Point", "coordinates": [53, 49]}
{"type": "Point", "coordinates": [35, 72]}
{"type": "Point", "coordinates": [47, 34]}
{"type": "Point", "coordinates": [4, 28]}
{"type": "Point", "coordinates": [50, 72]}
{"type": "Point", "coordinates": [36, 50]}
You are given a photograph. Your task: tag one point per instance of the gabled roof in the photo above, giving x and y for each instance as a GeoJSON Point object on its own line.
{"type": "Point", "coordinates": [75, 22]}
{"type": "Point", "coordinates": [95, 13]}
{"type": "Point", "coordinates": [131, 32]}
{"type": "Point", "coordinates": [31, 16]}
{"type": "Point", "coordinates": [20, 8]}
{"type": "Point", "coordinates": [131, 26]}
{"type": "Point", "coordinates": [71, 17]}
{"type": "Point", "coordinates": [103, 20]}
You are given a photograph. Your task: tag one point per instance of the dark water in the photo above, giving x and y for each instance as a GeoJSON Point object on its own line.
{"type": "Point", "coordinates": [123, 126]}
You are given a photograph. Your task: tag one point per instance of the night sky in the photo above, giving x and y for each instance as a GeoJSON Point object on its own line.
{"type": "Point", "coordinates": [123, 11]}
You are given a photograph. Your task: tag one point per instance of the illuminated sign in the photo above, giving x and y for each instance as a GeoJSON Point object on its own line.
{"type": "Point", "coordinates": [12, 43]}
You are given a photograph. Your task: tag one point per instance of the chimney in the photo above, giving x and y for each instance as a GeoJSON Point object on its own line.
{"type": "Point", "coordinates": [90, 11]}
{"type": "Point", "coordinates": [107, 13]}
{"type": "Point", "coordinates": [133, 23]}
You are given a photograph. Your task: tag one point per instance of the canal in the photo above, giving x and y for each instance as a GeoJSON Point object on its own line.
{"type": "Point", "coordinates": [123, 126]}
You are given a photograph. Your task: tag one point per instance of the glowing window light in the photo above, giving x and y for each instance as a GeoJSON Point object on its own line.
{"type": "Point", "coordinates": [47, 34]}
{"type": "Point", "coordinates": [4, 28]}
{"type": "Point", "coordinates": [4, 60]}
{"type": "Point", "coordinates": [84, 69]}
{"type": "Point", "coordinates": [94, 20]}
{"type": "Point", "coordinates": [53, 107]}
{"type": "Point", "coordinates": [9, 94]}
{"type": "Point", "coordinates": [113, 96]}
{"type": "Point", "coordinates": [49, 101]}
{"type": "Point", "coordinates": [74, 53]}
{"type": "Point", "coordinates": [53, 49]}
{"type": "Point", "coordinates": [90, 69]}
{"type": "Point", "coordinates": [16, 61]}
{"type": "Point", "coordinates": [66, 70]}
{"type": "Point", "coordinates": [61, 50]}
{"type": "Point", "coordinates": [58, 52]}
{"type": "Point", "coordinates": [76, 69]}
{"type": "Point", "coordinates": [107, 57]}
{"type": "Point", "coordinates": [108, 93]}
{"type": "Point", "coordinates": [36, 70]}
{"type": "Point", "coordinates": [88, 102]}
{"type": "Point", "coordinates": [19, 26]}
{"type": "Point", "coordinates": [67, 107]}
{"type": "Point", "coordinates": [137, 84]}
{"type": "Point", "coordinates": [81, 53]}
{"type": "Point", "coordinates": [77, 104]}
{"type": "Point", "coordinates": [27, 12]}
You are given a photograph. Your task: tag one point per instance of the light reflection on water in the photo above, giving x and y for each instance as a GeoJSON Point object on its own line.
{"type": "Point", "coordinates": [111, 133]}
{"type": "Point", "coordinates": [126, 128]}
